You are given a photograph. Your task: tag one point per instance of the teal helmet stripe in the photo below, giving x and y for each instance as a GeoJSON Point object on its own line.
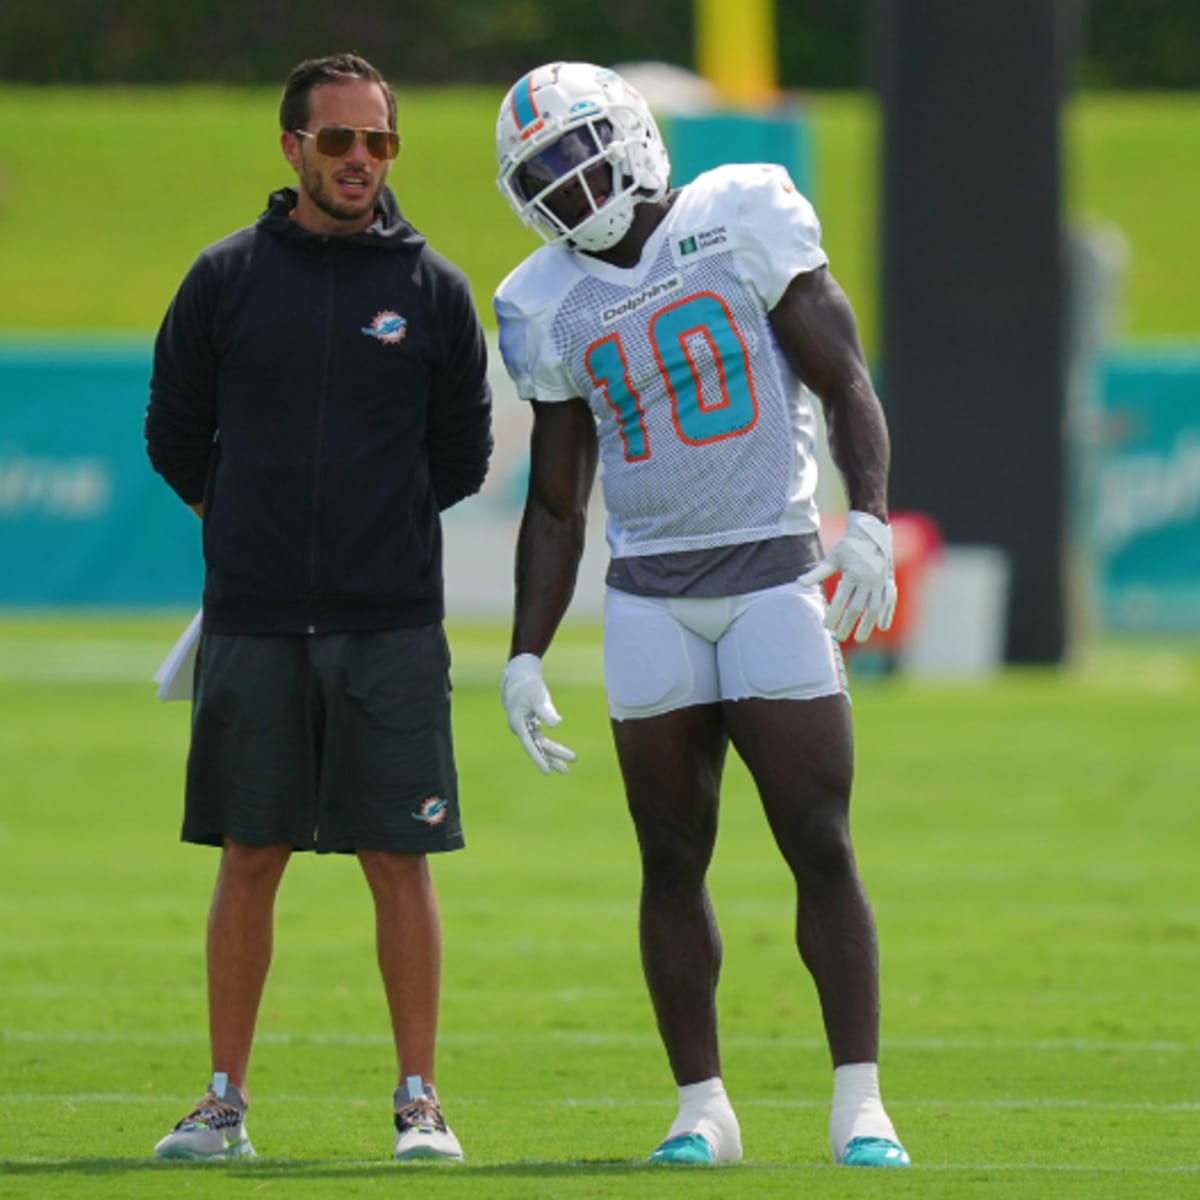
{"type": "Point", "coordinates": [524, 109]}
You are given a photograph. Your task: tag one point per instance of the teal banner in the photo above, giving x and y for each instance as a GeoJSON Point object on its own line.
{"type": "Point", "coordinates": [84, 520]}
{"type": "Point", "coordinates": [1146, 501]}
{"type": "Point", "coordinates": [700, 141]}
{"type": "Point", "coordinates": [83, 517]}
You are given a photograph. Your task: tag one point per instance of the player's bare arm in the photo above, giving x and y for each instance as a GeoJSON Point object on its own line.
{"type": "Point", "coordinates": [816, 328]}
{"type": "Point", "coordinates": [563, 451]}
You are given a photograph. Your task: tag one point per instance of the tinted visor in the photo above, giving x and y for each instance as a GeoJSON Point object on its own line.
{"type": "Point", "coordinates": [560, 158]}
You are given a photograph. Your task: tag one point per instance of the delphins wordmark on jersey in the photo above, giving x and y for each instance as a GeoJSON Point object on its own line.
{"type": "Point", "coordinates": [640, 299]}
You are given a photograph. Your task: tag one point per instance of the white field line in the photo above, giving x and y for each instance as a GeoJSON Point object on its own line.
{"type": "Point", "coordinates": [58, 949]}
{"type": "Point", "coordinates": [780, 906]}
{"type": "Point", "coordinates": [475, 663]}
{"type": "Point", "coordinates": [369, 989]}
{"type": "Point", "coordinates": [135, 661]}
{"type": "Point", "coordinates": [994, 1045]}
{"type": "Point", "coordinates": [1040, 1103]}
{"type": "Point", "coordinates": [80, 661]}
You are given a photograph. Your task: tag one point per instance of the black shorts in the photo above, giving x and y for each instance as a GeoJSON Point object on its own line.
{"type": "Point", "coordinates": [330, 742]}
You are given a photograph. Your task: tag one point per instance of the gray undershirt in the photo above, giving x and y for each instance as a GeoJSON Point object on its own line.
{"type": "Point", "coordinates": [722, 571]}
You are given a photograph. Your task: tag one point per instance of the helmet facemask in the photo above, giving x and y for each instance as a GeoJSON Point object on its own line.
{"type": "Point", "coordinates": [577, 189]}
{"type": "Point", "coordinates": [592, 158]}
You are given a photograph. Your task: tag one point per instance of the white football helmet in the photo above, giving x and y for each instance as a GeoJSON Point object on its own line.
{"type": "Point", "coordinates": [556, 126]}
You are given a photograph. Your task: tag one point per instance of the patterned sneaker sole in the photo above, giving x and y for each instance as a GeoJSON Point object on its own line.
{"type": "Point", "coordinates": [182, 1154]}
{"type": "Point", "coordinates": [428, 1154]}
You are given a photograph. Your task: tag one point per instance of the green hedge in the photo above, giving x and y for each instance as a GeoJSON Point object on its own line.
{"type": "Point", "coordinates": [821, 43]}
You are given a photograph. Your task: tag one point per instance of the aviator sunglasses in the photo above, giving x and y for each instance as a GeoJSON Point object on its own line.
{"type": "Point", "coordinates": [334, 140]}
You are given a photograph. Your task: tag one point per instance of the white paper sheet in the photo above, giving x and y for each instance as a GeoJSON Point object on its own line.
{"type": "Point", "coordinates": [174, 675]}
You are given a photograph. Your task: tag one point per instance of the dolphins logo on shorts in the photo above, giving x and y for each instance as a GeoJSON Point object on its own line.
{"type": "Point", "coordinates": [432, 811]}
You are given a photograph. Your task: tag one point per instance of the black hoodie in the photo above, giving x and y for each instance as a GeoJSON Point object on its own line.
{"type": "Point", "coordinates": [325, 397]}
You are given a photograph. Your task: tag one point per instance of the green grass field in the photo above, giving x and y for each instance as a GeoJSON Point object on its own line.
{"type": "Point", "coordinates": [1030, 846]}
{"type": "Point", "coordinates": [107, 195]}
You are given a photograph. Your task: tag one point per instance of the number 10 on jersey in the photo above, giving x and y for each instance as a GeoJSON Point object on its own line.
{"type": "Point", "coordinates": [705, 369]}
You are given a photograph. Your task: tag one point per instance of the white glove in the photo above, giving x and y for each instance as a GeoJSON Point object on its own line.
{"type": "Point", "coordinates": [867, 588]}
{"type": "Point", "coordinates": [528, 705]}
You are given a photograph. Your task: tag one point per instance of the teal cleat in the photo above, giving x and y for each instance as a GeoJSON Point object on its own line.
{"type": "Point", "coordinates": [875, 1152]}
{"type": "Point", "coordinates": [684, 1148]}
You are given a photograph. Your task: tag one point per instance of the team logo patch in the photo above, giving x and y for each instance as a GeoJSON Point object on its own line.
{"type": "Point", "coordinates": [388, 327]}
{"type": "Point", "coordinates": [432, 811]}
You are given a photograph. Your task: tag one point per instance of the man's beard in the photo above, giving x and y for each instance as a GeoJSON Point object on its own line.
{"type": "Point", "coordinates": [314, 185]}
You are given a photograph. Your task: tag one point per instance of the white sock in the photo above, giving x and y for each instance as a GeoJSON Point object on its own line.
{"type": "Point", "coordinates": [704, 1108]}
{"type": "Point", "coordinates": [857, 1107]}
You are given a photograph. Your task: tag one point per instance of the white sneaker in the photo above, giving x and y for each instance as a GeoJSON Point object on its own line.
{"type": "Point", "coordinates": [421, 1130]}
{"type": "Point", "coordinates": [214, 1130]}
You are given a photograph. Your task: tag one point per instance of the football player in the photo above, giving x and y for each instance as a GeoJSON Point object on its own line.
{"type": "Point", "coordinates": [675, 337]}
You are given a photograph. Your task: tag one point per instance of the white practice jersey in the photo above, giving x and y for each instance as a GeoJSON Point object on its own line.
{"type": "Point", "coordinates": [706, 437]}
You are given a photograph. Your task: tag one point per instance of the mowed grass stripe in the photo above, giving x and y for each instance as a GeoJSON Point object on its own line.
{"type": "Point", "coordinates": [999, 1045]}
{"type": "Point", "coordinates": [136, 662]}
{"type": "Point", "coordinates": [751, 1103]}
